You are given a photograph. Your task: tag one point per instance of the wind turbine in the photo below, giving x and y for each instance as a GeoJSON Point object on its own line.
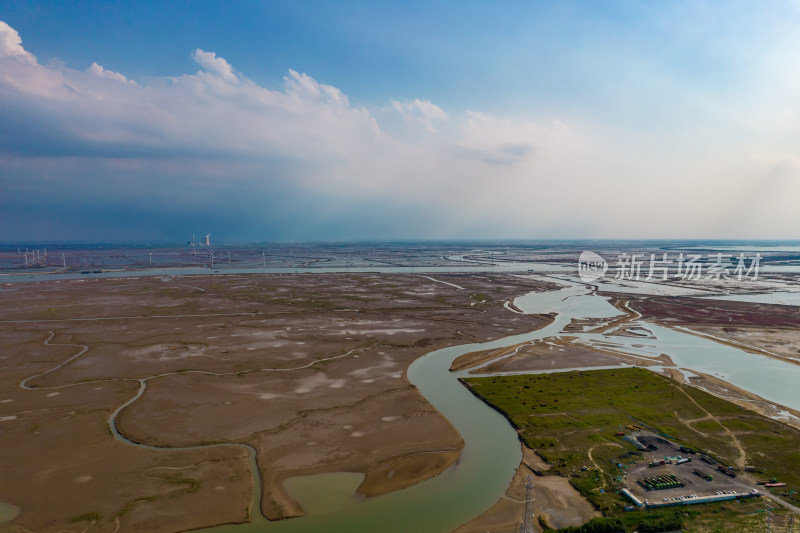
{"type": "Point", "coordinates": [264, 257]}
{"type": "Point", "coordinates": [151, 258]}
{"type": "Point", "coordinates": [63, 259]}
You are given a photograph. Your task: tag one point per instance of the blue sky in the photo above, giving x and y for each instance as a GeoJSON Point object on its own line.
{"type": "Point", "coordinates": [389, 120]}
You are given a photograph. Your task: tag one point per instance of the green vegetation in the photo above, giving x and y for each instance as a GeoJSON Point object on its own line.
{"type": "Point", "coordinates": [571, 420]}
{"type": "Point", "coordinates": [701, 518]}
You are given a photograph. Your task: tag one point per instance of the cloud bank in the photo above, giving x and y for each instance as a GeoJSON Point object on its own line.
{"type": "Point", "coordinates": [91, 154]}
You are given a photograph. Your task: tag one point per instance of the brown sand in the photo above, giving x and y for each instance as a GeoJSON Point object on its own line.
{"type": "Point", "coordinates": [472, 359]}
{"type": "Point", "coordinates": [308, 369]}
{"type": "Point", "coordinates": [777, 343]}
{"type": "Point", "coordinates": [551, 353]}
{"type": "Point", "coordinates": [553, 498]}
{"type": "Point", "coordinates": [744, 398]}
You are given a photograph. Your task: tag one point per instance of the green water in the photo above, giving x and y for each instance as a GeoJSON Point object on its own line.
{"type": "Point", "coordinates": [324, 493]}
{"type": "Point", "coordinates": [492, 450]}
{"type": "Point", "coordinates": [490, 457]}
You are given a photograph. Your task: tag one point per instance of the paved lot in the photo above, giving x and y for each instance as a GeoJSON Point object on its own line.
{"type": "Point", "coordinates": [684, 472]}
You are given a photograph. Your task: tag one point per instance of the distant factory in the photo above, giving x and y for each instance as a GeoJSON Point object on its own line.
{"type": "Point", "coordinates": [205, 241]}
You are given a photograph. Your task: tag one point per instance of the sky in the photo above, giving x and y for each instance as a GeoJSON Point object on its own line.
{"type": "Point", "coordinates": [286, 121]}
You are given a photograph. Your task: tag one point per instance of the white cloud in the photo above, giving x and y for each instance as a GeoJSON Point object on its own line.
{"type": "Point", "coordinates": [99, 71]}
{"type": "Point", "coordinates": [11, 44]}
{"type": "Point", "coordinates": [213, 113]}
{"type": "Point", "coordinates": [422, 111]}
{"type": "Point", "coordinates": [478, 174]}
{"type": "Point", "coordinates": [209, 62]}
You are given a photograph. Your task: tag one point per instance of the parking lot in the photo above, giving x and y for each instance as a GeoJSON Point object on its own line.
{"type": "Point", "coordinates": [694, 486]}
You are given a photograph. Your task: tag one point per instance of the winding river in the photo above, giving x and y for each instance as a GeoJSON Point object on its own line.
{"type": "Point", "coordinates": [491, 455]}
{"type": "Point", "coordinates": [492, 450]}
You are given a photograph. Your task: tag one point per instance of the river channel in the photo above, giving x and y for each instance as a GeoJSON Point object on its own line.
{"type": "Point", "coordinates": [492, 451]}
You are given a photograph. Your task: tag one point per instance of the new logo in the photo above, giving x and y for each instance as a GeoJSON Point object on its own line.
{"type": "Point", "coordinates": [591, 266]}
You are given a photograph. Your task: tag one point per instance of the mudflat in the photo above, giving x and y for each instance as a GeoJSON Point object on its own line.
{"type": "Point", "coordinates": [308, 369]}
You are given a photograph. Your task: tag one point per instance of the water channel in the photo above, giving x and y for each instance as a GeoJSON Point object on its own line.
{"type": "Point", "coordinates": [492, 451]}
